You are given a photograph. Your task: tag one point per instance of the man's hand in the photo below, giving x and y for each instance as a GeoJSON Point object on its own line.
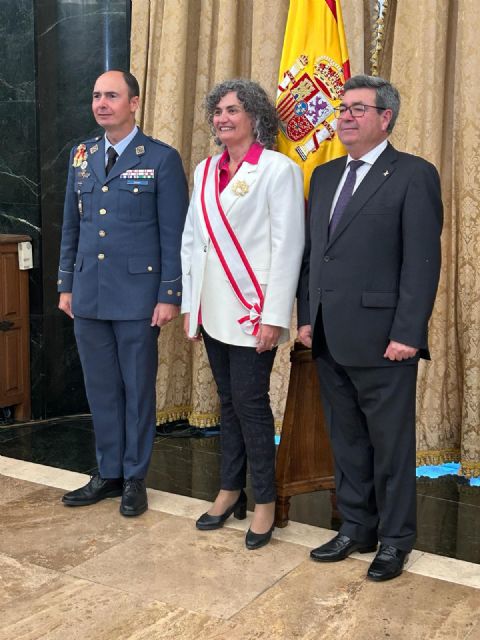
{"type": "Point", "coordinates": [305, 335]}
{"type": "Point", "coordinates": [65, 304]}
{"type": "Point", "coordinates": [163, 313]}
{"type": "Point", "coordinates": [186, 326]}
{"type": "Point", "coordinates": [267, 338]}
{"type": "Point", "coordinates": [399, 351]}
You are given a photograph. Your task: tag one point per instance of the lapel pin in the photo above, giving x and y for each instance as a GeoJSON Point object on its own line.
{"type": "Point", "coordinates": [94, 149]}
{"type": "Point", "coordinates": [240, 188]}
{"type": "Point", "coordinates": [140, 150]}
{"type": "Point", "coordinates": [386, 173]}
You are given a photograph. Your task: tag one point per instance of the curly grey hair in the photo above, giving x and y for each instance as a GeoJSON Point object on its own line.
{"type": "Point", "coordinates": [256, 103]}
{"type": "Point", "coordinates": [386, 95]}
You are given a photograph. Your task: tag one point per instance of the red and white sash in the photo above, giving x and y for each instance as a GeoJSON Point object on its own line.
{"type": "Point", "coordinates": [230, 253]}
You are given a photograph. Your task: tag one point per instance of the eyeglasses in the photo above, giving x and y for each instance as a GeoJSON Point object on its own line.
{"type": "Point", "coordinates": [356, 110]}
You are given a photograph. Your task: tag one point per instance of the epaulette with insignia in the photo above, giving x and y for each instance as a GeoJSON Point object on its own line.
{"type": "Point", "coordinates": [163, 144]}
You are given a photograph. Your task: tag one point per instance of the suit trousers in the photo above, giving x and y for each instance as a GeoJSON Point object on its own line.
{"type": "Point", "coordinates": [370, 412]}
{"type": "Point", "coordinates": [119, 360]}
{"type": "Point", "coordinates": [247, 428]}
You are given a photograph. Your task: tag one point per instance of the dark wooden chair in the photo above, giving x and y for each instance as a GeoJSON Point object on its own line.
{"type": "Point", "coordinates": [304, 456]}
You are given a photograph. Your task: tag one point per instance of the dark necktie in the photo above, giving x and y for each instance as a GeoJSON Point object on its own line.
{"type": "Point", "coordinates": [112, 158]}
{"type": "Point", "coordinates": [344, 195]}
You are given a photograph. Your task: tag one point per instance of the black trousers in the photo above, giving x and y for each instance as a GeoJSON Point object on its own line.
{"type": "Point", "coordinates": [371, 416]}
{"type": "Point", "coordinates": [246, 421]}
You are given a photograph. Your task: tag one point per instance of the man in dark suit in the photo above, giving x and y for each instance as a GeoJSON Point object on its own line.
{"type": "Point", "coordinates": [366, 292]}
{"type": "Point", "coordinates": [120, 279]}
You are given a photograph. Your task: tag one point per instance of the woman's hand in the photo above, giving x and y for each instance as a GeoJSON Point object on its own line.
{"type": "Point", "coordinates": [267, 338]}
{"type": "Point", "coordinates": [186, 327]}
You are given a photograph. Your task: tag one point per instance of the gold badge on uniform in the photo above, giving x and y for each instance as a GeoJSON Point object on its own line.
{"type": "Point", "coordinates": [140, 150]}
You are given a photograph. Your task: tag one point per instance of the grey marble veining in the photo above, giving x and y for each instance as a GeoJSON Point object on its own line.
{"type": "Point", "coordinates": [51, 52]}
{"type": "Point", "coordinates": [76, 41]}
{"type": "Point", "coordinates": [17, 52]}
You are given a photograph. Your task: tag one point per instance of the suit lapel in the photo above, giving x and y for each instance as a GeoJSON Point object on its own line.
{"type": "Point", "coordinates": [380, 172]}
{"type": "Point", "coordinates": [327, 187]}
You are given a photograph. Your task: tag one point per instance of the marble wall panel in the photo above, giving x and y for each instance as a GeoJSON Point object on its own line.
{"type": "Point", "coordinates": [76, 41]}
{"type": "Point", "coordinates": [51, 52]}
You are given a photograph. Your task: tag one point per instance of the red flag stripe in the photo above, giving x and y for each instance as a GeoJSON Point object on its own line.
{"type": "Point", "coordinates": [332, 5]}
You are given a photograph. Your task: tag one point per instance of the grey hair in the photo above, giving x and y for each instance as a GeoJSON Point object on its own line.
{"type": "Point", "coordinates": [386, 95]}
{"type": "Point", "coordinates": [256, 103]}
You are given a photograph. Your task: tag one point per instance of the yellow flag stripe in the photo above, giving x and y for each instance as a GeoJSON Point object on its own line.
{"type": "Point", "coordinates": [313, 69]}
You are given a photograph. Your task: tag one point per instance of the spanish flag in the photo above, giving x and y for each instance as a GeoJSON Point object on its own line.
{"type": "Point", "coordinates": [313, 70]}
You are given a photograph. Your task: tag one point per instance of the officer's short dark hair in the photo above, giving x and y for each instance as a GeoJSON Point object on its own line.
{"type": "Point", "coordinates": [130, 81]}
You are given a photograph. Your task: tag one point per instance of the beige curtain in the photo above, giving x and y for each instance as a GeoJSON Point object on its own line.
{"type": "Point", "coordinates": [434, 57]}
{"type": "Point", "coordinates": [180, 49]}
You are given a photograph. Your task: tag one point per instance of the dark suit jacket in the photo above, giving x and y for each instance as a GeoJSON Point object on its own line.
{"type": "Point", "coordinates": [376, 278]}
{"type": "Point", "coordinates": [121, 236]}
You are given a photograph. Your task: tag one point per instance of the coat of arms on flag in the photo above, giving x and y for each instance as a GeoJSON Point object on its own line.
{"type": "Point", "coordinates": [313, 71]}
{"type": "Point", "coordinates": [305, 105]}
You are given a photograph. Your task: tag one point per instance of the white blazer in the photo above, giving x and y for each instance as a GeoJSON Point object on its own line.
{"type": "Point", "coordinates": [269, 222]}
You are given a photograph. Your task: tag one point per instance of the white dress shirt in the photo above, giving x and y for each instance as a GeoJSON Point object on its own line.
{"type": "Point", "coordinates": [120, 146]}
{"type": "Point", "coordinates": [368, 160]}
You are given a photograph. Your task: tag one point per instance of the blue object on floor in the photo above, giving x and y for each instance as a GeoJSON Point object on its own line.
{"type": "Point", "coordinates": [435, 471]}
{"type": "Point", "coordinates": [446, 469]}
{"type": "Point", "coordinates": [432, 471]}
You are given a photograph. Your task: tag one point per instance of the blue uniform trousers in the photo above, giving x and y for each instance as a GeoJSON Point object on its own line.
{"type": "Point", "coordinates": [119, 360]}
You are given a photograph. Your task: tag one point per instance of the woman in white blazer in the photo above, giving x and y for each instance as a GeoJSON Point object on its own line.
{"type": "Point", "coordinates": [241, 252]}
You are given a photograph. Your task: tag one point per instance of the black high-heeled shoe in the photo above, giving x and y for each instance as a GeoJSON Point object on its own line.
{"type": "Point", "coordinates": [206, 522]}
{"type": "Point", "coordinates": [257, 540]}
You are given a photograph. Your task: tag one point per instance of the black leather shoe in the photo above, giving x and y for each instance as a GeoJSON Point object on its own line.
{"type": "Point", "coordinates": [134, 498]}
{"type": "Point", "coordinates": [388, 563]}
{"type": "Point", "coordinates": [339, 548]}
{"type": "Point", "coordinates": [206, 522]}
{"type": "Point", "coordinates": [257, 540]}
{"type": "Point", "coordinates": [97, 489]}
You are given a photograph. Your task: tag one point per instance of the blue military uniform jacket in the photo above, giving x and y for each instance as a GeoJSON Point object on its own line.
{"type": "Point", "coordinates": [121, 235]}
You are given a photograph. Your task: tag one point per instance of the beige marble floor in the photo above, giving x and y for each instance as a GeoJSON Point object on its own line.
{"type": "Point", "coordinates": [75, 574]}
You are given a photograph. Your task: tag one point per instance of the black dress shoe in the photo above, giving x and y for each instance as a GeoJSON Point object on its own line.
{"type": "Point", "coordinates": [257, 540]}
{"type": "Point", "coordinates": [206, 522]}
{"type": "Point", "coordinates": [134, 498]}
{"type": "Point", "coordinates": [97, 489]}
{"type": "Point", "coordinates": [388, 563]}
{"type": "Point", "coordinates": [339, 548]}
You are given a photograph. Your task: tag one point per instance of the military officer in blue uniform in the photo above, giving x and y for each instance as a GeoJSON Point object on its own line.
{"type": "Point", "coordinates": [120, 280]}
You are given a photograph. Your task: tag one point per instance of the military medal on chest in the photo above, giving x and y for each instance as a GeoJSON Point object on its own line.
{"type": "Point", "coordinates": [80, 156]}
